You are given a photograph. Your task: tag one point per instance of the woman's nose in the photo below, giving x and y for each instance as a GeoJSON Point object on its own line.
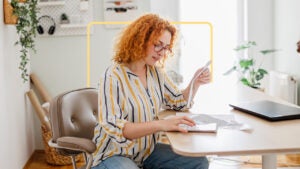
{"type": "Point", "coordinates": [162, 52]}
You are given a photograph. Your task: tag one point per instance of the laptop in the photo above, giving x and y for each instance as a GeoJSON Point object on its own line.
{"type": "Point", "coordinates": [268, 110]}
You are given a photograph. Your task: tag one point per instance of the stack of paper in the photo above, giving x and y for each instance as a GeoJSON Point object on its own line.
{"type": "Point", "coordinates": [211, 122]}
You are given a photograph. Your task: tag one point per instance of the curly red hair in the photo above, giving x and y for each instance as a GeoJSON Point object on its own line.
{"type": "Point", "coordinates": [134, 40]}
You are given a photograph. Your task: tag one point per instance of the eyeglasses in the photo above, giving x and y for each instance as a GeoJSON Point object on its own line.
{"type": "Point", "coordinates": [159, 48]}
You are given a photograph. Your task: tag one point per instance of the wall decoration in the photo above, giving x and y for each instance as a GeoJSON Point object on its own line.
{"type": "Point", "coordinates": [119, 11]}
{"type": "Point", "coordinates": [71, 17]}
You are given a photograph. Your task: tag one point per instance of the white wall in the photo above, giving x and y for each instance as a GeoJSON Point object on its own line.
{"type": "Point", "coordinates": [196, 38]}
{"type": "Point", "coordinates": [16, 143]}
{"type": "Point", "coordinates": [275, 24]}
{"type": "Point", "coordinates": [260, 28]}
{"type": "Point", "coordinates": [260, 22]}
{"type": "Point", "coordinates": [287, 34]}
{"type": "Point", "coordinates": [166, 8]}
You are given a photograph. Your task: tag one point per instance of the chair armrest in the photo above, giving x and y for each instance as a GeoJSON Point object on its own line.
{"type": "Point", "coordinates": [75, 143]}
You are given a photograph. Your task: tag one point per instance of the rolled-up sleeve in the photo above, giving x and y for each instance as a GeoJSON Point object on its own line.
{"type": "Point", "coordinates": [111, 116]}
{"type": "Point", "coordinates": [173, 97]}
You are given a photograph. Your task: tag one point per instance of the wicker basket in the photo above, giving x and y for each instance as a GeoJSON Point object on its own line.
{"type": "Point", "coordinates": [52, 157]}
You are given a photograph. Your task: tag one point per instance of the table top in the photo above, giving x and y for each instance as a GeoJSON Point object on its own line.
{"type": "Point", "coordinates": [264, 138]}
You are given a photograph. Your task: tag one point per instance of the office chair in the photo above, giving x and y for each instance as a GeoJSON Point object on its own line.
{"type": "Point", "coordinates": [74, 114]}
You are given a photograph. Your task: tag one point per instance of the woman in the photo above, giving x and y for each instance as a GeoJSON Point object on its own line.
{"type": "Point", "coordinates": [132, 92]}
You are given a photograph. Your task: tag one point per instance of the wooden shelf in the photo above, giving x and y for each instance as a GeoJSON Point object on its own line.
{"type": "Point", "coordinates": [79, 18]}
{"type": "Point", "coordinates": [51, 3]}
{"type": "Point", "coordinates": [73, 25]}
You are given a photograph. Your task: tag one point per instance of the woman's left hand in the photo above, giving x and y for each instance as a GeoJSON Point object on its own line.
{"type": "Point", "coordinates": [203, 78]}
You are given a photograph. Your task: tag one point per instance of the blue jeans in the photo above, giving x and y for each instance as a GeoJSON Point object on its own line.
{"type": "Point", "coordinates": [161, 158]}
{"type": "Point", "coordinates": [117, 162]}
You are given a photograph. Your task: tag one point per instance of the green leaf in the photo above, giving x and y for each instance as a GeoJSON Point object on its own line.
{"type": "Point", "coordinates": [258, 77]}
{"type": "Point", "coordinates": [262, 71]}
{"type": "Point", "coordinates": [245, 81]}
{"type": "Point", "coordinates": [246, 63]}
{"type": "Point", "coordinates": [260, 74]}
{"type": "Point", "coordinates": [26, 29]}
{"type": "Point", "coordinates": [264, 52]}
{"type": "Point", "coordinates": [245, 46]}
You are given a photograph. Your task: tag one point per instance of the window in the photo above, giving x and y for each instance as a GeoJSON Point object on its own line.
{"type": "Point", "coordinates": [194, 39]}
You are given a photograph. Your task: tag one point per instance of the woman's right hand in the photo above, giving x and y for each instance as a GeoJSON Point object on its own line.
{"type": "Point", "coordinates": [172, 123]}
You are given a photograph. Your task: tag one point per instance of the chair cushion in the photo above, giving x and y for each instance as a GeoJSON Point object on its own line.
{"type": "Point", "coordinates": [75, 143]}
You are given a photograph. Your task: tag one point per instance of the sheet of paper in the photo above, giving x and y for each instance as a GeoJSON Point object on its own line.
{"type": "Point", "coordinates": [221, 120]}
{"type": "Point", "coordinates": [205, 128]}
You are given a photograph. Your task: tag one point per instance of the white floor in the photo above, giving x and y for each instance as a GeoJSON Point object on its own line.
{"type": "Point", "coordinates": [277, 168]}
{"type": "Point", "coordinates": [233, 163]}
{"type": "Point", "coordinates": [229, 162]}
{"type": "Point", "coordinates": [223, 166]}
{"type": "Point", "coordinates": [220, 166]}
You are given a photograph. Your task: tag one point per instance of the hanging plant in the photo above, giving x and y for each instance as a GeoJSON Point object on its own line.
{"type": "Point", "coordinates": [26, 12]}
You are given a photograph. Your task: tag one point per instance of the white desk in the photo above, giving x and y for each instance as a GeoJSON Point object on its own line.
{"type": "Point", "coordinates": [266, 138]}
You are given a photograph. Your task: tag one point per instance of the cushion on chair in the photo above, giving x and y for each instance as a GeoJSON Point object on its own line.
{"type": "Point", "coordinates": [74, 114]}
{"type": "Point", "coordinates": [76, 143]}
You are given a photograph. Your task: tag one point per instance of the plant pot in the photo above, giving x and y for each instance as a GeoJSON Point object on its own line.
{"type": "Point", "coordinates": [293, 158]}
{"type": "Point", "coordinates": [64, 21]}
{"type": "Point", "coordinates": [9, 17]}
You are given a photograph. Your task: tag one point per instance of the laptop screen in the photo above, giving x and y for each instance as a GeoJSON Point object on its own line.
{"type": "Point", "coordinates": [268, 110]}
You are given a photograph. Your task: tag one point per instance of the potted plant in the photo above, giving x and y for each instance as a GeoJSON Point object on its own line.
{"type": "Point", "coordinates": [26, 12]}
{"type": "Point", "coordinates": [249, 71]}
{"type": "Point", "coordinates": [64, 19]}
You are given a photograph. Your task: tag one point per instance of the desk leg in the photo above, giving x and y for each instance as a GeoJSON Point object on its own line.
{"type": "Point", "coordinates": [269, 161]}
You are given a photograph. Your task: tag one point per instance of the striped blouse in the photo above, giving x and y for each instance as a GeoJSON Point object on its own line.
{"type": "Point", "coordinates": [123, 98]}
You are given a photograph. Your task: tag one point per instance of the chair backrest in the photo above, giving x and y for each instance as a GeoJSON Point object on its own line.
{"type": "Point", "coordinates": [74, 113]}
